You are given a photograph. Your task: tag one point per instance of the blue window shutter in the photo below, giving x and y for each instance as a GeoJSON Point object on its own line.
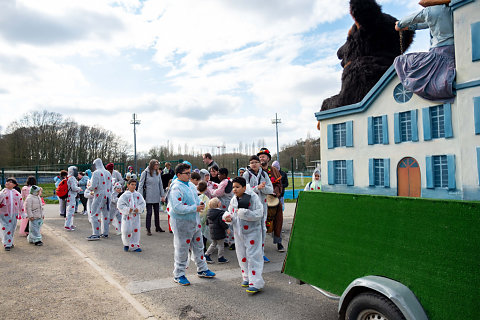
{"type": "Point", "coordinates": [447, 111]}
{"type": "Point", "coordinates": [371, 173]}
{"type": "Point", "coordinates": [427, 124]}
{"type": "Point", "coordinates": [330, 136]}
{"type": "Point", "coordinates": [385, 129]}
{"type": "Point", "coordinates": [475, 28]}
{"type": "Point", "coordinates": [349, 172]}
{"type": "Point", "coordinates": [429, 170]}
{"type": "Point", "coordinates": [476, 114]}
{"type": "Point", "coordinates": [331, 173]}
{"type": "Point", "coordinates": [396, 128]}
{"type": "Point", "coordinates": [414, 125]}
{"type": "Point", "coordinates": [349, 126]}
{"type": "Point", "coordinates": [386, 173]}
{"type": "Point", "coordinates": [451, 172]}
{"type": "Point", "coordinates": [370, 130]}
{"type": "Point", "coordinates": [478, 164]}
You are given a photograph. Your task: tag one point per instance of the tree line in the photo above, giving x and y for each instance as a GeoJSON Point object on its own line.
{"type": "Point", "coordinates": [47, 138]}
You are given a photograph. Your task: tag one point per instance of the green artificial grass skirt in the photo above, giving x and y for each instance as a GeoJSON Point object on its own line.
{"type": "Point", "coordinates": [431, 246]}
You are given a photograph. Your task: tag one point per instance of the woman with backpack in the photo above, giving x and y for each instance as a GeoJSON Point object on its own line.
{"type": "Point", "coordinates": [151, 187]}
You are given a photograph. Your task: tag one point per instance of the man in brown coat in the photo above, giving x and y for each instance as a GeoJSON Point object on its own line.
{"type": "Point", "coordinates": [276, 178]}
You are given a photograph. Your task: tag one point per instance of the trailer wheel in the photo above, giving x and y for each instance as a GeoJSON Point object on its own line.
{"type": "Point", "coordinates": [372, 306]}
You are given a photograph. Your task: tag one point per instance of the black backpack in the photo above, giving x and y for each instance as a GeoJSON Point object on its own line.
{"type": "Point", "coordinates": [229, 186]}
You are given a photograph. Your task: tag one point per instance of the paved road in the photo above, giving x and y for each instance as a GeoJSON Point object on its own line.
{"type": "Point", "coordinates": [71, 278]}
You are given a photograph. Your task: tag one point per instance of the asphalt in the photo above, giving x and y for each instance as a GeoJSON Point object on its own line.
{"type": "Point", "coordinates": [71, 278]}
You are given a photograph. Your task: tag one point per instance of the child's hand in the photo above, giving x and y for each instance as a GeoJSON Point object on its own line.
{"type": "Point", "coordinates": [31, 219]}
{"type": "Point", "coordinates": [136, 210]}
{"type": "Point", "coordinates": [261, 185]}
{"type": "Point", "coordinates": [228, 230]}
{"type": "Point", "coordinates": [228, 219]}
{"type": "Point", "coordinates": [131, 210]}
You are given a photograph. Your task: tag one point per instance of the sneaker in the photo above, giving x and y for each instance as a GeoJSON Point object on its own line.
{"type": "Point", "coordinates": [68, 229]}
{"type": "Point", "coordinates": [149, 233]}
{"type": "Point", "coordinates": [137, 250]}
{"type": "Point", "coordinates": [93, 238]}
{"type": "Point", "coordinates": [245, 284]}
{"type": "Point", "coordinates": [8, 248]}
{"type": "Point", "coordinates": [39, 243]}
{"type": "Point", "coordinates": [208, 259]}
{"type": "Point", "coordinates": [232, 246]}
{"type": "Point", "coordinates": [252, 290]}
{"type": "Point", "coordinates": [104, 236]}
{"type": "Point", "coordinates": [73, 227]}
{"type": "Point", "coordinates": [206, 274]}
{"type": "Point", "coordinates": [183, 281]}
{"type": "Point", "coordinates": [222, 260]}
{"type": "Point", "coordinates": [125, 248]}
{"type": "Point", "coordinates": [225, 245]}
{"type": "Point", "coordinates": [84, 213]}
{"type": "Point", "coordinates": [159, 230]}
{"type": "Point", "coordinates": [280, 247]}
{"type": "Point", "coordinates": [265, 259]}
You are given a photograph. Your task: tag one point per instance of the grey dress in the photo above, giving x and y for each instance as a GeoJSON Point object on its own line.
{"type": "Point", "coordinates": [153, 187]}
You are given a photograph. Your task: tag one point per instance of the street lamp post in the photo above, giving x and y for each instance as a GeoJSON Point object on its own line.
{"type": "Point", "coordinates": [135, 122]}
{"type": "Point", "coordinates": [276, 121]}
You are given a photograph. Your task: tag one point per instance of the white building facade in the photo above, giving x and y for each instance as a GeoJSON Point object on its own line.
{"type": "Point", "coordinates": [396, 143]}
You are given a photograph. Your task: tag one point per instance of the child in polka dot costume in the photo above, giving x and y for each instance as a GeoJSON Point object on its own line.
{"type": "Point", "coordinates": [316, 183]}
{"type": "Point", "coordinates": [184, 206]}
{"type": "Point", "coordinates": [115, 215]}
{"type": "Point", "coordinates": [11, 209]}
{"type": "Point", "coordinates": [131, 204]}
{"type": "Point", "coordinates": [102, 188]}
{"type": "Point", "coordinates": [246, 215]}
{"type": "Point", "coordinates": [73, 190]}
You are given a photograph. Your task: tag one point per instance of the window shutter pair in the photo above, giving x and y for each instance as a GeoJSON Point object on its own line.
{"type": "Point", "coordinates": [349, 135]}
{"type": "Point", "coordinates": [331, 173]}
{"type": "Point", "coordinates": [396, 122]}
{"type": "Point", "coordinates": [451, 172]}
{"type": "Point", "coordinates": [384, 130]}
{"type": "Point", "coordinates": [386, 172]}
{"type": "Point", "coordinates": [427, 122]}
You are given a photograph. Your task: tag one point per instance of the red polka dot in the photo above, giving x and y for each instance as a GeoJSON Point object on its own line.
{"type": "Point", "coordinates": [73, 207]}
{"type": "Point", "coordinates": [68, 200]}
{"type": "Point", "coordinates": [97, 195]}
{"type": "Point", "coordinates": [3, 228]}
{"type": "Point", "coordinates": [129, 235]}
{"type": "Point", "coordinates": [108, 178]}
{"type": "Point", "coordinates": [132, 245]}
{"type": "Point", "coordinates": [16, 204]}
{"type": "Point", "coordinates": [128, 218]}
{"type": "Point", "coordinates": [188, 240]}
{"type": "Point", "coordinates": [265, 200]}
{"type": "Point", "coordinates": [9, 240]}
{"type": "Point", "coordinates": [318, 188]}
{"type": "Point", "coordinates": [198, 239]}
{"type": "Point", "coordinates": [96, 215]}
{"type": "Point", "coordinates": [199, 225]}
{"type": "Point", "coordinates": [101, 174]}
{"type": "Point", "coordinates": [243, 271]}
{"type": "Point", "coordinates": [253, 272]}
{"type": "Point", "coordinates": [201, 257]}
{"type": "Point", "coordinates": [179, 199]}
{"type": "Point", "coordinates": [168, 209]}
{"type": "Point", "coordinates": [233, 238]}
{"type": "Point", "coordinates": [224, 207]}
{"type": "Point", "coordinates": [311, 189]}
{"type": "Point", "coordinates": [6, 198]}
{"type": "Point", "coordinates": [244, 260]}
{"type": "Point", "coordinates": [252, 242]}
{"type": "Point", "coordinates": [6, 214]}
{"type": "Point", "coordinates": [138, 198]}
{"type": "Point", "coordinates": [263, 245]}
{"type": "Point", "coordinates": [249, 204]}
{"type": "Point", "coordinates": [136, 230]}
{"type": "Point", "coordinates": [245, 227]}
{"type": "Point", "coordinates": [98, 228]}
{"type": "Point", "coordinates": [8, 232]}
{"type": "Point", "coordinates": [105, 219]}
{"type": "Point", "coordinates": [184, 204]}
{"type": "Point", "coordinates": [9, 221]}
{"type": "Point", "coordinates": [233, 210]}
{"type": "Point", "coordinates": [104, 197]}
{"type": "Point", "coordinates": [103, 182]}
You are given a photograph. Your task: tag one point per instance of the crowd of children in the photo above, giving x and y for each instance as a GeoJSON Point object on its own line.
{"type": "Point", "coordinates": [200, 210]}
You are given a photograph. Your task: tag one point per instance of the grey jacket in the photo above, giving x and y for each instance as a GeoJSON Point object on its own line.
{"type": "Point", "coordinates": [153, 187]}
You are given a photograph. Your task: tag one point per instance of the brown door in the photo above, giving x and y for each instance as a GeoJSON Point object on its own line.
{"type": "Point", "coordinates": [408, 178]}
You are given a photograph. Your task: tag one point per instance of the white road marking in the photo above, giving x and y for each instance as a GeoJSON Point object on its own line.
{"type": "Point", "coordinates": [137, 287]}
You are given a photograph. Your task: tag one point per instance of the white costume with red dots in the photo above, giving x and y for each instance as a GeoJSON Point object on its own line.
{"type": "Point", "coordinates": [102, 187]}
{"type": "Point", "coordinates": [73, 190]}
{"type": "Point", "coordinates": [115, 215]}
{"type": "Point", "coordinates": [247, 225]}
{"type": "Point", "coordinates": [131, 220]}
{"type": "Point", "coordinates": [314, 185]}
{"type": "Point", "coordinates": [187, 229]}
{"type": "Point", "coordinates": [253, 181]}
{"type": "Point", "coordinates": [11, 209]}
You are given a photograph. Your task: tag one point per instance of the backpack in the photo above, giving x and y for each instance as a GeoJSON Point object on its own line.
{"type": "Point", "coordinates": [229, 186]}
{"type": "Point", "coordinates": [62, 189]}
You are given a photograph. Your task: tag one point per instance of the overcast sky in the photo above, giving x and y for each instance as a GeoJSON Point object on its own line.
{"type": "Point", "coordinates": [199, 72]}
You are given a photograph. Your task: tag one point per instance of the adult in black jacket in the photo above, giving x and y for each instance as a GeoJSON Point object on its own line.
{"type": "Point", "coordinates": [218, 229]}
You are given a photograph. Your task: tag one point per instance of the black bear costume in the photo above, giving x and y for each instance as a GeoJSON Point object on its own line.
{"type": "Point", "coordinates": [372, 45]}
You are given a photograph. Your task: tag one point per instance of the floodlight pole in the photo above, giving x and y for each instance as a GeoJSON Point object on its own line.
{"type": "Point", "coordinates": [135, 122]}
{"type": "Point", "coordinates": [276, 121]}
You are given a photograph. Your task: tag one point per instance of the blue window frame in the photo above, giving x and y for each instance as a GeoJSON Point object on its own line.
{"type": "Point", "coordinates": [377, 130]}
{"type": "Point", "coordinates": [475, 28]}
{"type": "Point", "coordinates": [437, 122]}
{"type": "Point", "coordinates": [405, 128]}
{"type": "Point", "coordinates": [340, 172]}
{"type": "Point", "coordinates": [476, 114]}
{"type": "Point", "coordinates": [441, 171]}
{"type": "Point", "coordinates": [340, 135]}
{"type": "Point", "coordinates": [379, 172]}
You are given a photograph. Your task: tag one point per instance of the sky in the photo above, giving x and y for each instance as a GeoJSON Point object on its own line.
{"type": "Point", "coordinates": [203, 73]}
